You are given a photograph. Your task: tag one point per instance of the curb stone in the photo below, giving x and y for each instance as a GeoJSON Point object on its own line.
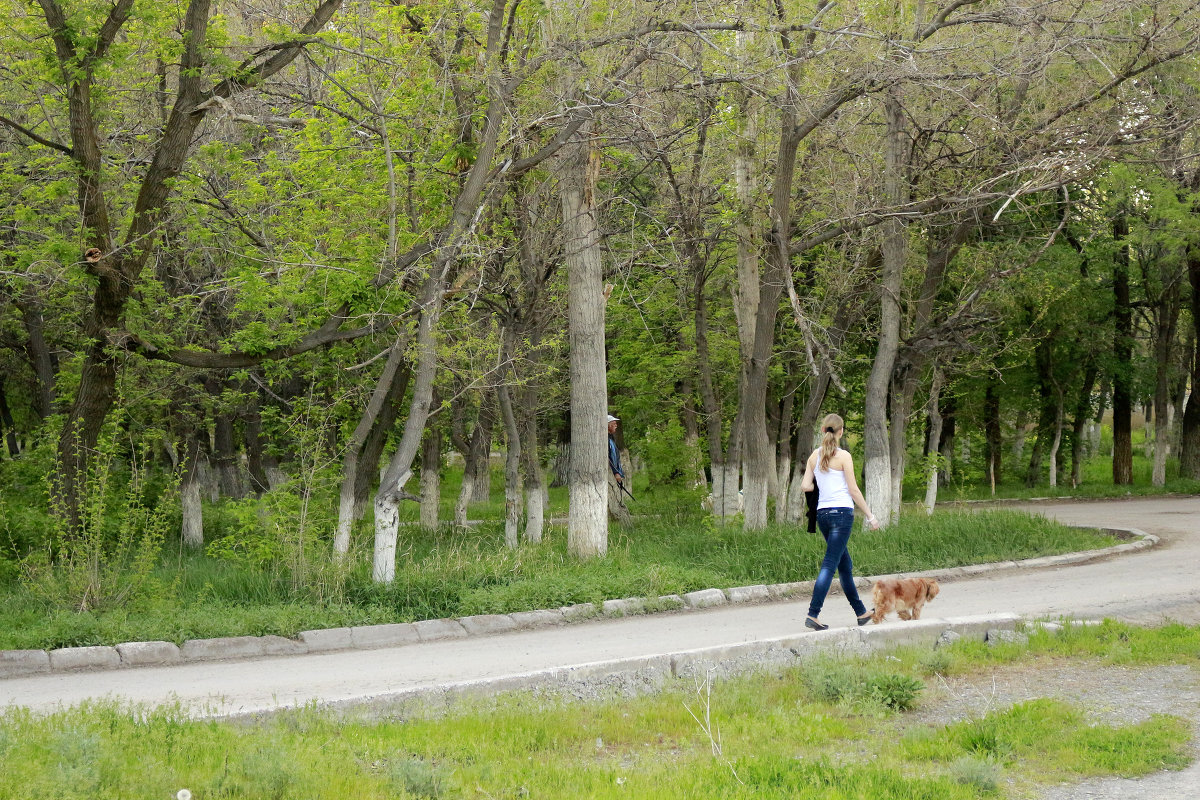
{"type": "Point", "coordinates": [20, 663]}
{"type": "Point", "coordinates": [73, 658]}
{"type": "Point", "coordinates": [140, 654]}
{"type": "Point", "coordinates": [626, 607]}
{"type": "Point", "coordinates": [748, 594]}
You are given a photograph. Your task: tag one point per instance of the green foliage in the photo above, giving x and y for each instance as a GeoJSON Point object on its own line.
{"type": "Point", "coordinates": [109, 560]}
{"type": "Point", "coordinates": [670, 460]}
{"type": "Point", "coordinates": [859, 685]}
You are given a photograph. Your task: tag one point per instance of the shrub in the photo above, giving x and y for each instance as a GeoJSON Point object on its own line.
{"type": "Point", "coordinates": [110, 557]}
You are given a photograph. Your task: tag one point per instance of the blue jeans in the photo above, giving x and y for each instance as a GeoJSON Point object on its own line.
{"type": "Point", "coordinates": [835, 524]}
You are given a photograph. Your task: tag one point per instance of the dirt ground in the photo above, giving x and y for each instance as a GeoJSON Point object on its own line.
{"type": "Point", "coordinates": [1111, 695]}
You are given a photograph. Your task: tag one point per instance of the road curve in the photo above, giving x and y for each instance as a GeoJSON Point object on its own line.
{"type": "Point", "coordinates": [1146, 587]}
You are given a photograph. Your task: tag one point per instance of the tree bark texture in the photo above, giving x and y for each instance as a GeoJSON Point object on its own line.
{"type": "Point", "coordinates": [431, 476]}
{"type": "Point", "coordinates": [931, 446]}
{"type": "Point", "coordinates": [877, 470]}
{"type": "Point", "coordinates": [1122, 358]}
{"type": "Point", "coordinates": [535, 482]}
{"type": "Point", "coordinates": [1166, 318]}
{"type": "Point", "coordinates": [513, 489]}
{"type": "Point", "coordinates": [189, 495]}
{"type": "Point", "coordinates": [587, 526]}
{"type": "Point", "coordinates": [1083, 412]}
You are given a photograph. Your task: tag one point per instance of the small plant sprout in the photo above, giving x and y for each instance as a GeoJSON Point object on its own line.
{"type": "Point", "coordinates": [704, 692]}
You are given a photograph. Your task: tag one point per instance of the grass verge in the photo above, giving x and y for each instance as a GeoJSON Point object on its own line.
{"type": "Point", "coordinates": [456, 572]}
{"type": "Point", "coordinates": [828, 729]}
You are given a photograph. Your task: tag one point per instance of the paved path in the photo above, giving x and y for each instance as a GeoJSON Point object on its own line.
{"type": "Point", "coordinates": [1145, 587]}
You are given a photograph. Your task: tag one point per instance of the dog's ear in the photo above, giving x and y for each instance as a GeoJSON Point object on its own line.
{"type": "Point", "coordinates": [931, 591]}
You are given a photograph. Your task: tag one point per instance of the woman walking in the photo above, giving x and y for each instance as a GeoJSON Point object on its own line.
{"type": "Point", "coordinates": [832, 470]}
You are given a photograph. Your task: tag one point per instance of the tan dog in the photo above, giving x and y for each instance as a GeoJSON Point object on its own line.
{"type": "Point", "coordinates": [905, 596]}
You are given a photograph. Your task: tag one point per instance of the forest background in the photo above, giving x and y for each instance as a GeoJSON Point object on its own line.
{"type": "Point", "coordinates": [277, 278]}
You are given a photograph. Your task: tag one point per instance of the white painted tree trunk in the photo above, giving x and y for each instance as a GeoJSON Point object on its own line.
{"type": "Point", "coordinates": [877, 471]}
{"type": "Point", "coordinates": [399, 469]}
{"type": "Point", "coordinates": [348, 504]}
{"type": "Point", "coordinates": [535, 480]}
{"type": "Point", "coordinates": [512, 467]}
{"type": "Point", "coordinates": [189, 497]}
{"type": "Point", "coordinates": [587, 525]}
{"type": "Point", "coordinates": [931, 447]}
{"type": "Point", "coordinates": [1057, 441]}
{"type": "Point", "coordinates": [431, 480]}
{"type": "Point", "coordinates": [725, 490]}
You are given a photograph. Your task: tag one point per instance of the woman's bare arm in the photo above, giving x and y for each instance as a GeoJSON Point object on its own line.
{"type": "Point", "coordinates": [855, 494]}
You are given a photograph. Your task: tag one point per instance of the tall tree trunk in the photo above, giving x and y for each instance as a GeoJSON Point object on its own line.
{"type": "Point", "coordinates": [587, 525]}
{"type": "Point", "coordinates": [189, 494]}
{"type": "Point", "coordinates": [903, 391]}
{"type": "Point", "coordinates": [877, 470]}
{"type": "Point", "coordinates": [818, 388]}
{"type": "Point", "coordinates": [931, 445]}
{"type": "Point", "coordinates": [361, 460]}
{"type": "Point", "coordinates": [399, 470]}
{"type": "Point", "coordinates": [760, 455]}
{"type": "Point", "coordinates": [226, 457]}
{"type": "Point", "coordinates": [479, 448]}
{"type": "Point", "coordinates": [783, 449]}
{"type": "Point", "coordinates": [1057, 441]}
{"type": "Point", "coordinates": [1048, 396]}
{"type": "Point", "coordinates": [946, 444]}
{"type": "Point", "coordinates": [431, 475]}
{"type": "Point", "coordinates": [1166, 319]}
{"type": "Point", "coordinates": [512, 436]}
{"type": "Point", "coordinates": [256, 460]}
{"type": "Point", "coordinates": [45, 365]}
{"type": "Point", "coordinates": [481, 463]}
{"type": "Point", "coordinates": [1122, 358]}
{"type": "Point", "coordinates": [723, 462]}
{"type": "Point", "coordinates": [1083, 409]}
{"type": "Point", "coordinates": [535, 488]}
{"type": "Point", "coordinates": [992, 434]}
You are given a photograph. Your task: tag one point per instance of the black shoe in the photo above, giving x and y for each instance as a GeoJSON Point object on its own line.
{"type": "Point", "coordinates": [865, 618]}
{"type": "Point", "coordinates": [809, 622]}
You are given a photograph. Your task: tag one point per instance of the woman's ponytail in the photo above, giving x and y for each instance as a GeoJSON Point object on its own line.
{"type": "Point", "coordinates": [829, 439]}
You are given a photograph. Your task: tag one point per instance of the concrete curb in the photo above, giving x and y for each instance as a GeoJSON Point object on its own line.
{"type": "Point", "coordinates": [20, 663]}
{"type": "Point", "coordinates": [652, 672]}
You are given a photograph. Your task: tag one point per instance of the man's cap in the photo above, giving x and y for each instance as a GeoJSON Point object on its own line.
{"type": "Point", "coordinates": [611, 418]}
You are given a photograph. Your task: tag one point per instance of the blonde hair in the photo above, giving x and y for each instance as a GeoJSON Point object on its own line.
{"type": "Point", "coordinates": [829, 440]}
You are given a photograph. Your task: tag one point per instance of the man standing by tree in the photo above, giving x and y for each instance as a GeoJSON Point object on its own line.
{"type": "Point", "coordinates": [616, 509]}
{"type": "Point", "coordinates": [614, 455]}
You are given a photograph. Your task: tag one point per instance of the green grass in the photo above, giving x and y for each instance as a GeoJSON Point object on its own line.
{"type": "Point", "coordinates": [461, 572]}
{"type": "Point", "coordinates": [1096, 479]}
{"type": "Point", "coordinates": [784, 735]}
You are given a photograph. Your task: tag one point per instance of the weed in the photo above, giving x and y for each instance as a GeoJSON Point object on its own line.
{"type": "Point", "coordinates": [980, 774]}
{"type": "Point", "coordinates": [417, 777]}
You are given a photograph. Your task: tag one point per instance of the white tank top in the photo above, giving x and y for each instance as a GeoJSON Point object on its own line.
{"type": "Point", "coordinates": [832, 488]}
